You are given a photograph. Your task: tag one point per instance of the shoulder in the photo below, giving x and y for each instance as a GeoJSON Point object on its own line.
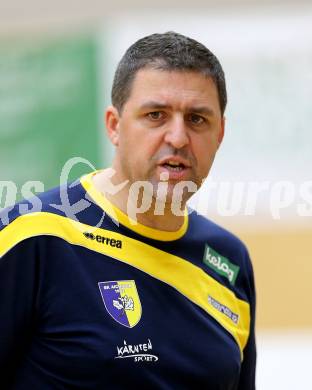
{"type": "Point", "coordinates": [58, 201]}
{"type": "Point", "coordinates": [205, 229]}
{"type": "Point", "coordinates": [46, 214]}
{"type": "Point", "coordinates": [223, 253]}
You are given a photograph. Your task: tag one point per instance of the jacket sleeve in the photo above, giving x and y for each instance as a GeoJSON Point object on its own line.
{"type": "Point", "coordinates": [248, 368]}
{"type": "Point", "coordinates": [18, 299]}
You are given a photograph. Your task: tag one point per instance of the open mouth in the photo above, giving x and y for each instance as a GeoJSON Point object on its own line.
{"type": "Point", "coordinates": [174, 166]}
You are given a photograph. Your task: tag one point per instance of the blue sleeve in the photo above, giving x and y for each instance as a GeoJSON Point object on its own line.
{"type": "Point", "coordinates": [18, 299]}
{"type": "Point", "coordinates": [248, 367]}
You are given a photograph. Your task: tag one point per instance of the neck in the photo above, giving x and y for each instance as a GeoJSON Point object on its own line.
{"type": "Point", "coordinates": [143, 209]}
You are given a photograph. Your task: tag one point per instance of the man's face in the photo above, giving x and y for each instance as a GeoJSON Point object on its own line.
{"type": "Point", "coordinates": [171, 124]}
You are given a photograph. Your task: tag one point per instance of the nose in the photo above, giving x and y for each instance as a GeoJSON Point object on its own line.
{"type": "Point", "coordinates": [176, 134]}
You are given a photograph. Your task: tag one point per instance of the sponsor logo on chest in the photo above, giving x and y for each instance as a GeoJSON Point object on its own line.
{"type": "Point", "coordinates": [137, 352]}
{"type": "Point", "coordinates": [223, 309]}
{"type": "Point", "coordinates": [220, 264]}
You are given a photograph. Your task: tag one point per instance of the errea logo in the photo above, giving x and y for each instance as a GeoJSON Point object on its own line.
{"type": "Point", "coordinates": [103, 240]}
{"type": "Point", "coordinates": [220, 264]}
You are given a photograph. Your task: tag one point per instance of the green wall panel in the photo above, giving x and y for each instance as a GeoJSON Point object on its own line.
{"type": "Point", "coordinates": [48, 108]}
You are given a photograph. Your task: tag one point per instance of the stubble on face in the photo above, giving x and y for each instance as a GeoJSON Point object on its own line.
{"type": "Point", "coordinates": [135, 169]}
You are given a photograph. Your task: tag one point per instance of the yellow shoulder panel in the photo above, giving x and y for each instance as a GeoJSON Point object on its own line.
{"type": "Point", "coordinates": [124, 219]}
{"type": "Point", "coordinates": [218, 301]}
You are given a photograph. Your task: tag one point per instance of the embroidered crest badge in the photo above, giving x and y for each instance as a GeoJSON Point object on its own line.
{"type": "Point", "coordinates": [122, 302]}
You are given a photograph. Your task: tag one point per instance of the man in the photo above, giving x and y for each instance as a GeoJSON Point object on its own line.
{"type": "Point", "coordinates": [152, 295]}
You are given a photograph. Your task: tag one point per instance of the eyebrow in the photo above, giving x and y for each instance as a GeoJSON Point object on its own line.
{"type": "Point", "coordinates": [202, 110]}
{"type": "Point", "coordinates": [153, 105]}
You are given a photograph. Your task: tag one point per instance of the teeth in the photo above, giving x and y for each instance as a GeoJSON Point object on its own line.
{"type": "Point", "coordinates": [174, 168]}
{"type": "Point", "coordinates": [173, 163]}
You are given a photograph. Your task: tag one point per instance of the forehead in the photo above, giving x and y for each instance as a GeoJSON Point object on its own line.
{"type": "Point", "coordinates": [176, 89]}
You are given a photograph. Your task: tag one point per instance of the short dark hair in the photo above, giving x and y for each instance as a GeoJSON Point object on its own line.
{"type": "Point", "coordinates": [169, 51]}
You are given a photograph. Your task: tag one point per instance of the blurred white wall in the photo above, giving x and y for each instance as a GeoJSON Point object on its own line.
{"type": "Point", "coordinates": [284, 361]}
{"type": "Point", "coordinates": [61, 15]}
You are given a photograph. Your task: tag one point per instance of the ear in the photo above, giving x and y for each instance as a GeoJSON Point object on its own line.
{"type": "Point", "coordinates": [221, 131]}
{"type": "Point", "coordinates": [112, 120]}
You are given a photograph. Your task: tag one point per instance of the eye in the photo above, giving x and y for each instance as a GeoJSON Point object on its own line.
{"type": "Point", "coordinates": [155, 115]}
{"type": "Point", "coordinates": [196, 119]}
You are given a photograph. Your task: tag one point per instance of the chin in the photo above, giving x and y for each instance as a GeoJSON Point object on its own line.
{"type": "Point", "coordinates": [173, 201]}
